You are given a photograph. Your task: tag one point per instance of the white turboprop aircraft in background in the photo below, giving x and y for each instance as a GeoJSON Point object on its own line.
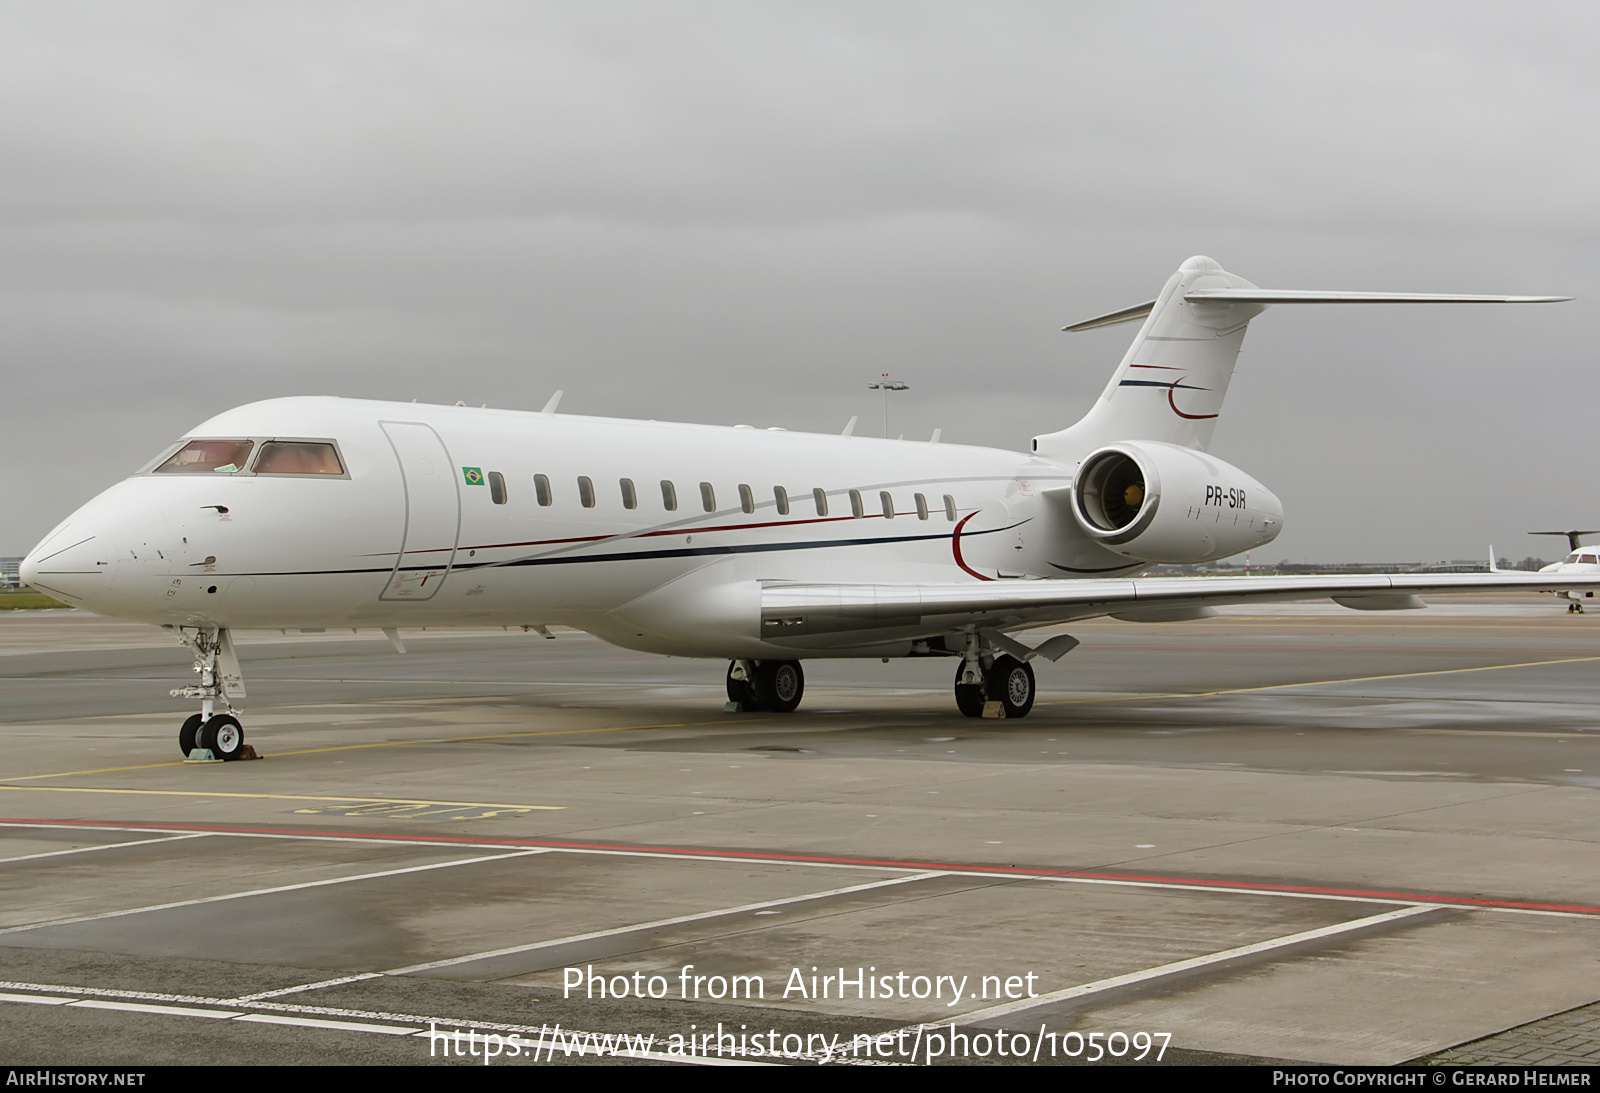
{"type": "Point", "coordinates": [763, 547]}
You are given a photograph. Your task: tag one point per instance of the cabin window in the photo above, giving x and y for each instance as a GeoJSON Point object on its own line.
{"type": "Point", "coordinates": [630, 499]}
{"type": "Point", "coordinates": [669, 496]}
{"type": "Point", "coordinates": [857, 509]}
{"type": "Point", "coordinates": [922, 507]}
{"type": "Point", "coordinates": [820, 496]}
{"type": "Point", "coordinates": [586, 491]}
{"type": "Point", "coordinates": [888, 504]}
{"type": "Point", "coordinates": [747, 498]}
{"type": "Point", "coordinates": [497, 487]}
{"type": "Point", "coordinates": [541, 488]}
{"type": "Point", "coordinates": [297, 457]}
{"type": "Point", "coordinates": [209, 457]}
{"type": "Point", "coordinates": [780, 497]}
{"type": "Point", "coordinates": [708, 497]}
{"type": "Point", "coordinates": [949, 507]}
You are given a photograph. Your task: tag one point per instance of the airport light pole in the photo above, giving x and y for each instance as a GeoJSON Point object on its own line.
{"type": "Point", "coordinates": [885, 384]}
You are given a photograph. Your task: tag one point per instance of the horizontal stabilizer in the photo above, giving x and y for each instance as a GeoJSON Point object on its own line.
{"type": "Point", "coordinates": [1306, 296]}
{"type": "Point", "coordinates": [1126, 315]}
{"type": "Point", "coordinates": [1300, 296]}
{"type": "Point", "coordinates": [1574, 539]}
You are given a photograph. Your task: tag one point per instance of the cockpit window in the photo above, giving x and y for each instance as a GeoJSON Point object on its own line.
{"type": "Point", "coordinates": [1573, 557]}
{"type": "Point", "coordinates": [297, 457]}
{"type": "Point", "coordinates": [1589, 559]}
{"type": "Point", "coordinates": [208, 457]}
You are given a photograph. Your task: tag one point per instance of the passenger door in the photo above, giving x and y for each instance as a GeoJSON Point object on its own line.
{"type": "Point", "coordinates": [433, 511]}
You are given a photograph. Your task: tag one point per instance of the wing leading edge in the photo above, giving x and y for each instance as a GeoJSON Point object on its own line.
{"type": "Point", "coordinates": [803, 609]}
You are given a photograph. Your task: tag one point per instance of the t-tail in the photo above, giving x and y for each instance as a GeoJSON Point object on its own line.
{"type": "Point", "coordinates": [1172, 382]}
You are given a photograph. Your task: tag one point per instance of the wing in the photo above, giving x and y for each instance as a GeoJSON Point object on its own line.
{"type": "Point", "coordinates": [882, 611]}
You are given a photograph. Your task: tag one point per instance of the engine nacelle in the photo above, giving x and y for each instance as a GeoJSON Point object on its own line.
{"type": "Point", "coordinates": [1158, 502]}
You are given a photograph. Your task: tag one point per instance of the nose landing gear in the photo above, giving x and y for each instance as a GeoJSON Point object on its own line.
{"type": "Point", "coordinates": [220, 735]}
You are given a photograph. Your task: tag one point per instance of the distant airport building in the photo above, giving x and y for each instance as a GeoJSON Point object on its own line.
{"type": "Point", "coordinates": [8, 573]}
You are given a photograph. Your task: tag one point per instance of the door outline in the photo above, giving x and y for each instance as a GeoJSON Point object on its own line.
{"type": "Point", "coordinates": [420, 582]}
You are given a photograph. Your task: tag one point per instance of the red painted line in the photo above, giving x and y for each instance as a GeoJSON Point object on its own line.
{"type": "Point", "coordinates": [955, 548]}
{"type": "Point", "coordinates": [686, 530]}
{"type": "Point", "coordinates": [747, 527]}
{"type": "Point", "coordinates": [1180, 413]}
{"type": "Point", "coordinates": [822, 859]}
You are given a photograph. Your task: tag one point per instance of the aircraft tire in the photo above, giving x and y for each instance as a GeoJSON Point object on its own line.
{"type": "Point", "coordinates": [779, 685]}
{"type": "Point", "coordinates": [223, 736]}
{"type": "Point", "coordinates": [1010, 682]}
{"type": "Point", "coordinates": [189, 735]}
{"type": "Point", "coordinates": [969, 696]}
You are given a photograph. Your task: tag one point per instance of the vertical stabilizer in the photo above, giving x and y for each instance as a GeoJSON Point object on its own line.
{"type": "Point", "coordinates": [1170, 385]}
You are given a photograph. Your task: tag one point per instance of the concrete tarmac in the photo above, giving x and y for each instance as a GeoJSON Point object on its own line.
{"type": "Point", "coordinates": [1297, 834]}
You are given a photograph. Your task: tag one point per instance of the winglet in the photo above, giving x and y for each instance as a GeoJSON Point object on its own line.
{"type": "Point", "coordinates": [850, 426]}
{"type": "Point", "coordinates": [1493, 567]}
{"type": "Point", "coordinates": [555, 400]}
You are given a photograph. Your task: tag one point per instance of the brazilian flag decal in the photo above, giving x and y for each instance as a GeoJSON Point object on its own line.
{"type": "Point", "coordinates": [473, 475]}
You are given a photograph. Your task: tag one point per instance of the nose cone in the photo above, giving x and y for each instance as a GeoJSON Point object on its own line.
{"type": "Point", "coordinates": [68, 564]}
{"type": "Point", "coordinates": [103, 555]}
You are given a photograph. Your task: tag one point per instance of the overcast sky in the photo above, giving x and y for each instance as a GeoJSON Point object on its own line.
{"type": "Point", "coordinates": [744, 212]}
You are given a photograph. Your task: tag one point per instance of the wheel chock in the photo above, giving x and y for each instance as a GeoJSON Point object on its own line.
{"type": "Point", "coordinates": [994, 709]}
{"type": "Point", "coordinates": [246, 751]}
{"type": "Point", "coordinates": [732, 707]}
{"type": "Point", "coordinates": [202, 755]}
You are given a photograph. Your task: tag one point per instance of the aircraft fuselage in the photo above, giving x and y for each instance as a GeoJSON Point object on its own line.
{"type": "Point", "coordinates": [577, 531]}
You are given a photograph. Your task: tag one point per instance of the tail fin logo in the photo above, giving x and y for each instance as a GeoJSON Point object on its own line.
{"type": "Point", "coordinates": [1174, 385]}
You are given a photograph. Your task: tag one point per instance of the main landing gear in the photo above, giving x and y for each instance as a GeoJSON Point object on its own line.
{"type": "Point", "coordinates": [995, 679]}
{"type": "Point", "coordinates": [220, 734]}
{"type": "Point", "coordinates": [767, 686]}
{"type": "Point", "coordinates": [1003, 689]}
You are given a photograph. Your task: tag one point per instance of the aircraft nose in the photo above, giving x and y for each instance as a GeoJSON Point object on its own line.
{"type": "Point", "coordinates": [65, 565]}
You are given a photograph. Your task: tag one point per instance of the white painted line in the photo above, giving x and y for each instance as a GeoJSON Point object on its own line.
{"type": "Point", "coordinates": [106, 846]}
{"type": "Point", "coordinates": [268, 891]}
{"type": "Point", "coordinates": [1195, 962]}
{"type": "Point", "coordinates": [568, 1044]}
{"type": "Point", "coordinates": [36, 999]}
{"type": "Point", "coordinates": [341, 1026]}
{"type": "Point", "coordinates": [733, 859]}
{"type": "Point", "coordinates": [143, 1007]}
{"type": "Point", "coordinates": [149, 996]}
{"type": "Point", "coordinates": [308, 987]}
{"type": "Point", "coordinates": [660, 922]}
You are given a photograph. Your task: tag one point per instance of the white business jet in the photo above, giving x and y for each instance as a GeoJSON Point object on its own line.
{"type": "Point", "coordinates": [763, 547]}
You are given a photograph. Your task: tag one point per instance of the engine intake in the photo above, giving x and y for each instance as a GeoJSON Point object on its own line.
{"type": "Point", "coordinates": [1158, 502]}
